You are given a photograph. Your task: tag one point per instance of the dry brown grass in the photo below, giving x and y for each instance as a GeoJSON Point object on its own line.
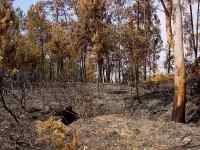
{"type": "Point", "coordinates": [56, 134]}
{"type": "Point", "coordinates": [160, 78]}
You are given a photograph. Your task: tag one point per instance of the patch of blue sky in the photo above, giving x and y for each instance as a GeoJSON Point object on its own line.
{"type": "Point", "coordinates": [23, 4]}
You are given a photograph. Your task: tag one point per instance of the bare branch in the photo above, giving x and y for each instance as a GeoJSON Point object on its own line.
{"type": "Point", "coordinates": [165, 8]}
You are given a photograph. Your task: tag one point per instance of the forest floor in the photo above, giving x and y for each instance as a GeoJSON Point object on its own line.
{"type": "Point", "coordinates": [111, 118]}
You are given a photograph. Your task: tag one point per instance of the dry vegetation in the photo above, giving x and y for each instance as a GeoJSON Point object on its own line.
{"type": "Point", "coordinates": [84, 75]}
{"type": "Point", "coordinates": [55, 133]}
{"type": "Point", "coordinates": [159, 78]}
{"type": "Point", "coordinates": [111, 119]}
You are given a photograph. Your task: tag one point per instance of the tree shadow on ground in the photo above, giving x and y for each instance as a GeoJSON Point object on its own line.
{"type": "Point", "coordinates": [194, 113]}
{"type": "Point", "coordinates": [154, 102]}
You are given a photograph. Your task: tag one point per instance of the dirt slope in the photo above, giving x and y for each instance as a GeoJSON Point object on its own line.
{"type": "Point", "coordinates": [117, 132]}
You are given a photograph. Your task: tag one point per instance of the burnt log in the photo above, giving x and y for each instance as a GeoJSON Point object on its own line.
{"type": "Point", "coordinates": [67, 115]}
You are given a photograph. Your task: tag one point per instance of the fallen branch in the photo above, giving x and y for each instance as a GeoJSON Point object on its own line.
{"type": "Point", "coordinates": [6, 107]}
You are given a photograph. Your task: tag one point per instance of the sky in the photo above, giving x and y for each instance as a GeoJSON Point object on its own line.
{"type": "Point", "coordinates": [23, 4]}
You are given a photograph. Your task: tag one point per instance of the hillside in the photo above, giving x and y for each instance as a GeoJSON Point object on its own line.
{"type": "Point", "coordinates": [110, 118]}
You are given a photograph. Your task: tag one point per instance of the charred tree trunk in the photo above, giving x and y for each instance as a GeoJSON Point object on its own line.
{"type": "Point", "coordinates": [108, 69]}
{"type": "Point", "coordinates": [154, 60]}
{"type": "Point", "coordinates": [197, 28]}
{"type": "Point", "coordinates": [100, 70]}
{"type": "Point", "coordinates": [178, 114]}
{"type": "Point", "coordinates": [82, 67]}
{"type": "Point", "coordinates": [119, 70]}
{"type": "Point", "coordinates": [60, 68]}
{"type": "Point", "coordinates": [137, 80]}
{"type": "Point", "coordinates": [169, 40]}
{"type": "Point", "coordinates": [145, 68]}
{"type": "Point", "coordinates": [51, 70]}
{"type": "Point", "coordinates": [3, 100]}
{"type": "Point", "coordinates": [169, 60]}
{"type": "Point", "coordinates": [42, 59]}
{"type": "Point", "coordinates": [192, 27]}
